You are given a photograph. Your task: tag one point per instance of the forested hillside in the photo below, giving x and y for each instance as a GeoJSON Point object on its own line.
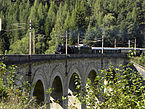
{"type": "Point", "coordinates": [89, 19]}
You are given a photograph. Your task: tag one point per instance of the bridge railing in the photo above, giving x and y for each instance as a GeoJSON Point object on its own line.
{"type": "Point", "coordinates": [21, 59]}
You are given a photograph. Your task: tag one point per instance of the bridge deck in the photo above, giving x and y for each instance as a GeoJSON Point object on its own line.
{"type": "Point", "coordinates": [21, 59]}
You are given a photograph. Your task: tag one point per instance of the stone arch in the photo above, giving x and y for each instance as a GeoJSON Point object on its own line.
{"type": "Point", "coordinates": [39, 92]}
{"type": "Point", "coordinates": [57, 93]}
{"type": "Point", "coordinates": [72, 85]}
{"type": "Point", "coordinates": [56, 72]}
{"type": "Point", "coordinates": [91, 73]}
{"type": "Point", "coordinates": [72, 70]}
{"type": "Point", "coordinates": [73, 101]}
{"type": "Point", "coordinates": [40, 81]}
{"type": "Point", "coordinates": [57, 86]}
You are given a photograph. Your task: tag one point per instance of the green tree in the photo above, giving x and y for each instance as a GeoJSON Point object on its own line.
{"type": "Point", "coordinates": [125, 15]}
{"type": "Point", "coordinates": [12, 95]}
{"type": "Point", "coordinates": [50, 20]}
{"type": "Point", "coordinates": [53, 43]}
{"type": "Point", "coordinates": [41, 18]}
{"type": "Point", "coordinates": [67, 24]}
{"type": "Point", "coordinates": [34, 16]}
{"type": "Point", "coordinates": [121, 88]}
{"type": "Point", "coordinates": [20, 46]}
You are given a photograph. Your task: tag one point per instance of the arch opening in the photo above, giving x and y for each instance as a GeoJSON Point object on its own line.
{"type": "Point", "coordinates": [92, 75]}
{"type": "Point", "coordinates": [39, 92]}
{"type": "Point", "coordinates": [92, 89]}
{"type": "Point", "coordinates": [56, 95]}
{"type": "Point", "coordinates": [73, 92]}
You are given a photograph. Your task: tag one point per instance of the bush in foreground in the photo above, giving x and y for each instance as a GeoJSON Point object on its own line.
{"type": "Point", "coordinates": [11, 95]}
{"type": "Point", "coordinates": [115, 88]}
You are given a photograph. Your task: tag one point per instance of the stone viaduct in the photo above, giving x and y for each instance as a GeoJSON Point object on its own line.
{"type": "Point", "coordinates": [56, 72]}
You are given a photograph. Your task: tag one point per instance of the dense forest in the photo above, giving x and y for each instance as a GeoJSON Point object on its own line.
{"type": "Point", "coordinates": [91, 20]}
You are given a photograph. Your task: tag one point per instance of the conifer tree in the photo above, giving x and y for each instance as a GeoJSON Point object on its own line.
{"type": "Point", "coordinates": [66, 24]}
{"type": "Point", "coordinates": [50, 19]}
{"type": "Point", "coordinates": [34, 16]}
{"type": "Point", "coordinates": [125, 18]}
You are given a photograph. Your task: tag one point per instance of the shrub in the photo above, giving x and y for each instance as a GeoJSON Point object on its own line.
{"type": "Point", "coordinates": [11, 95]}
{"type": "Point", "coordinates": [115, 88]}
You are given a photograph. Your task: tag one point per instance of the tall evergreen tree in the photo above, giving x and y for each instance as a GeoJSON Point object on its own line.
{"type": "Point", "coordinates": [88, 18]}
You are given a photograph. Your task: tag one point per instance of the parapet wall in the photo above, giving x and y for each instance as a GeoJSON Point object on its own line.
{"type": "Point", "coordinates": [22, 59]}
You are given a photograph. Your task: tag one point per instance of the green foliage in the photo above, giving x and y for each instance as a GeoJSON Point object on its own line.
{"type": "Point", "coordinates": [114, 88]}
{"type": "Point", "coordinates": [50, 20]}
{"type": "Point", "coordinates": [116, 19]}
{"type": "Point", "coordinates": [13, 95]}
{"type": "Point", "coordinates": [140, 60]}
{"type": "Point", "coordinates": [20, 46]}
{"type": "Point", "coordinates": [53, 43]}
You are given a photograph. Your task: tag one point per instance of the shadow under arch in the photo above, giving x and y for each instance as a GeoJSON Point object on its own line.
{"type": "Point", "coordinates": [57, 93]}
{"type": "Point", "coordinates": [92, 75]}
{"type": "Point", "coordinates": [93, 88]}
{"type": "Point", "coordinates": [73, 91]}
{"type": "Point", "coordinates": [39, 92]}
